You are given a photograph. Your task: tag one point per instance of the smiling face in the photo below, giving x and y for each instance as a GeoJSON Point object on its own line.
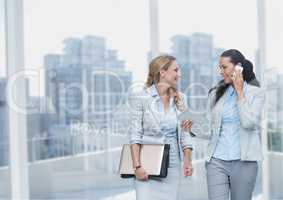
{"type": "Point", "coordinates": [170, 75]}
{"type": "Point", "coordinates": [226, 68]}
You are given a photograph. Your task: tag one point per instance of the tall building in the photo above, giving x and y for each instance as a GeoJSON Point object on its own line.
{"type": "Point", "coordinates": [258, 69]}
{"type": "Point", "coordinates": [274, 96]}
{"type": "Point", "coordinates": [93, 51]}
{"type": "Point", "coordinates": [196, 56]}
{"type": "Point", "coordinates": [38, 125]}
{"type": "Point", "coordinates": [86, 84]}
{"type": "Point", "coordinates": [4, 139]}
{"type": "Point", "coordinates": [216, 77]}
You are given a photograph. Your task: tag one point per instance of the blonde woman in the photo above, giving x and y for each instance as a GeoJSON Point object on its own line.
{"type": "Point", "coordinates": [153, 120]}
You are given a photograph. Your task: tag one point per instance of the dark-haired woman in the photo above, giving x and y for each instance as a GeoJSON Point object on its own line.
{"type": "Point", "coordinates": [236, 104]}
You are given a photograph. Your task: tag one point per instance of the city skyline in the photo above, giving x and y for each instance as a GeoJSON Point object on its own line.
{"type": "Point", "coordinates": [209, 66]}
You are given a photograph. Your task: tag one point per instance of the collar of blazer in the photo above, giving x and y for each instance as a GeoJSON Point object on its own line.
{"type": "Point", "coordinates": [152, 91]}
{"type": "Point", "coordinates": [217, 109]}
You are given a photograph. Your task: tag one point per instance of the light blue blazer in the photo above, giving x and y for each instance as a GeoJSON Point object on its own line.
{"type": "Point", "coordinates": [250, 112]}
{"type": "Point", "coordinates": [144, 125]}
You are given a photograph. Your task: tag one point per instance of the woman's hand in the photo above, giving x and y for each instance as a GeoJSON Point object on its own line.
{"type": "Point", "coordinates": [188, 167]}
{"type": "Point", "coordinates": [141, 174]}
{"type": "Point", "coordinates": [187, 125]}
{"type": "Point", "coordinates": [238, 83]}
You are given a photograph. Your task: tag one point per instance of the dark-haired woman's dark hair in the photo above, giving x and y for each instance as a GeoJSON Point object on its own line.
{"type": "Point", "coordinates": [236, 57]}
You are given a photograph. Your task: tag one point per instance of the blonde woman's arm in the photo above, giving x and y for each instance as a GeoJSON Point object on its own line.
{"type": "Point", "coordinates": [135, 132]}
{"type": "Point", "coordinates": [200, 128]}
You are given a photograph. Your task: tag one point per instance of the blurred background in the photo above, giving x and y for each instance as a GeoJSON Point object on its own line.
{"type": "Point", "coordinates": [75, 63]}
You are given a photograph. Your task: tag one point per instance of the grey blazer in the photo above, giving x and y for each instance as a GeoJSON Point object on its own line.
{"type": "Point", "coordinates": [250, 111]}
{"type": "Point", "coordinates": [144, 127]}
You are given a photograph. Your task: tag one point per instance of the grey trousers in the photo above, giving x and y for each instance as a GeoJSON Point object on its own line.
{"type": "Point", "coordinates": [235, 179]}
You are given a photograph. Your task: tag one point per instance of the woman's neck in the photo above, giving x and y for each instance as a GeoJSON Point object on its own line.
{"type": "Point", "coordinates": [163, 89]}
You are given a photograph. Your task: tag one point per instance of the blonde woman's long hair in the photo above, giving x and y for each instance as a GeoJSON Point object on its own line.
{"type": "Point", "coordinates": [164, 62]}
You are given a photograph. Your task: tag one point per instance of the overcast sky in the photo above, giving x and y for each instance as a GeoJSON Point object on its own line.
{"type": "Point", "coordinates": [125, 25]}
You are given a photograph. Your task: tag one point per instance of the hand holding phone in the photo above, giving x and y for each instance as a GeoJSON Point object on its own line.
{"type": "Point", "coordinates": [238, 80]}
{"type": "Point", "coordinates": [238, 69]}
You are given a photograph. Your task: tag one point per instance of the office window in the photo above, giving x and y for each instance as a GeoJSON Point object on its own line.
{"type": "Point", "coordinates": [88, 54]}
{"type": "Point", "coordinates": [274, 84]}
{"type": "Point", "coordinates": [4, 136]}
{"type": "Point", "coordinates": [274, 73]}
{"type": "Point", "coordinates": [196, 33]}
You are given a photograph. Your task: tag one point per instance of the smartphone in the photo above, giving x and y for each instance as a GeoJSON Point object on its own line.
{"type": "Point", "coordinates": [238, 68]}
